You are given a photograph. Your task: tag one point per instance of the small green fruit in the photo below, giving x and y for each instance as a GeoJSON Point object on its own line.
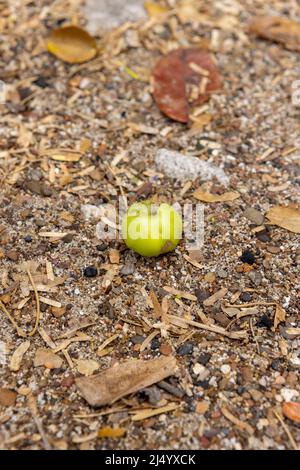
{"type": "Point", "coordinates": [151, 229]}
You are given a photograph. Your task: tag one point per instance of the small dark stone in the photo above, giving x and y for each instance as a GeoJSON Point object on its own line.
{"type": "Point", "coordinates": [12, 255]}
{"type": "Point", "coordinates": [263, 236]}
{"type": "Point", "coordinates": [248, 257]}
{"type": "Point", "coordinates": [245, 297]}
{"type": "Point", "coordinates": [203, 384]}
{"type": "Point", "coordinates": [28, 239]}
{"type": "Point", "coordinates": [155, 344]}
{"type": "Point", "coordinates": [276, 364]}
{"type": "Point", "coordinates": [41, 82]}
{"type": "Point", "coordinates": [137, 339]}
{"type": "Point", "coordinates": [201, 295]}
{"type": "Point", "coordinates": [90, 271]}
{"type": "Point", "coordinates": [204, 358]}
{"type": "Point", "coordinates": [101, 247]}
{"type": "Point", "coordinates": [185, 349]}
{"type": "Point", "coordinates": [106, 309]}
{"type": "Point", "coordinates": [264, 322]}
{"type": "Point", "coordinates": [68, 238]}
{"type": "Point", "coordinates": [190, 406]}
{"type": "Point", "coordinates": [240, 390]}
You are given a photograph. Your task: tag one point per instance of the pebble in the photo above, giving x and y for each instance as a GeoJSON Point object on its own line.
{"type": "Point", "coordinates": [254, 216]}
{"type": "Point", "coordinates": [204, 358]}
{"type": "Point", "coordinates": [28, 238]}
{"type": "Point", "coordinates": [289, 394]}
{"type": "Point", "coordinates": [137, 339]}
{"type": "Point", "coordinates": [222, 273]}
{"type": "Point", "coordinates": [201, 295]}
{"type": "Point", "coordinates": [183, 167]}
{"type": "Point", "coordinates": [225, 369]}
{"type": "Point", "coordinates": [255, 277]}
{"type": "Point", "coordinates": [263, 236]}
{"type": "Point", "coordinates": [245, 297]}
{"type": "Point", "coordinates": [185, 349]}
{"type": "Point", "coordinates": [90, 271]}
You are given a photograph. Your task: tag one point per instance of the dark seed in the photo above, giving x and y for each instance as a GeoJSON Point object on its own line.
{"type": "Point", "coordinates": [264, 322]}
{"type": "Point", "coordinates": [248, 257]}
{"type": "Point", "coordinates": [28, 239]}
{"type": "Point", "coordinates": [155, 344]}
{"type": "Point", "coordinates": [90, 271]}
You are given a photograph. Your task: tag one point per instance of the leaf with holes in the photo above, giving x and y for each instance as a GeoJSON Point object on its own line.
{"type": "Point", "coordinates": [182, 79]}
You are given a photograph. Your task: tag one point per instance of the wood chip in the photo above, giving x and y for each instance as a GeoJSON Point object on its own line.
{"type": "Point", "coordinates": [109, 340]}
{"type": "Point", "coordinates": [216, 296]}
{"type": "Point", "coordinates": [179, 293]}
{"type": "Point", "coordinates": [205, 196]}
{"type": "Point", "coordinates": [47, 358]}
{"type": "Point", "coordinates": [111, 432]}
{"type": "Point", "coordinates": [86, 366]}
{"type": "Point", "coordinates": [148, 413]}
{"type": "Point", "coordinates": [279, 315]}
{"type": "Point", "coordinates": [124, 379]}
{"type": "Point", "coordinates": [16, 359]}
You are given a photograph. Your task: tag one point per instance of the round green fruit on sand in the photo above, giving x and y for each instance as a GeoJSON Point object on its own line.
{"type": "Point", "coordinates": [151, 229]}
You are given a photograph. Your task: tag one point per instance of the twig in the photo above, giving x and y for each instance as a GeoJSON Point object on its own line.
{"type": "Point", "coordinates": [292, 440]}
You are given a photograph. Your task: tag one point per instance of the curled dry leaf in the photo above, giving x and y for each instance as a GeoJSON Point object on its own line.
{"type": "Point", "coordinates": [72, 44]}
{"type": "Point", "coordinates": [292, 411]}
{"type": "Point", "coordinates": [123, 379]}
{"type": "Point", "coordinates": [16, 359]}
{"type": "Point", "coordinates": [204, 196]}
{"type": "Point", "coordinates": [184, 78]}
{"type": "Point", "coordinates": [278, 29]}
{"type": "Point", "coordinates": [285, 217]}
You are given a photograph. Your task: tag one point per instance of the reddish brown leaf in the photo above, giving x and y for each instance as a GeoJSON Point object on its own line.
{"type": "Point", "coordinates": [184, 78]}
{"type": "Point", "coordinates": [292, 411]}
{"type": "Point", "coordinates": [278, 29]}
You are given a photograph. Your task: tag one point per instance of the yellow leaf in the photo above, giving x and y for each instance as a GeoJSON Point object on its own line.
{"type": "Point", "coordinates": [204, 196]}
{"type": "Point", "coordinates": [111, 432]}
{"type": "Point", "coordinates": [72, 44]}
{"type": "Point", "coordinates": [285, 217]}
{"type": "Point", "coordinates": [153, 9]}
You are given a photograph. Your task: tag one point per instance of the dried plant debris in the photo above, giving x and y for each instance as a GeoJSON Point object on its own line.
{"type": "Point", "coordinates": [123, 379]}
{"type": "Point", "coordinates": [285, 217]}
{"type": "Point", "coordinates": [292, 411]}
{"type": "Point", "coordinates": [205, 196]}
{"type": "Point", "coordinates": [278, 29]}
{"type": "Point", "coordinates": [184, 78]}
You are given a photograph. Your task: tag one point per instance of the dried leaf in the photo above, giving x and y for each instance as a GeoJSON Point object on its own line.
{"type": "Point", "coordinates": [216, 296]}
{"type": "Point", "coordinates": [111, 432]}
{"type": "Point", "coordinates": [72, 44]}
{"type": "Point", "coordinates": [204, 196]}
{"type": "Point", "coordinates": [182, 78]}
{"type": "Point", "coordinates": [16, 359]}
{"type": "Point", "coordinates": [123, 379]}
{"type": "Point", "coordinates": [278, 29]}
{"type": "Point", "coordinates": [154, 10]}
{"type": "Point", "coordinates": [285, 217]}
{"type": "Point", "coordinates": [87, 366]}
{"type": "Point", "coordinates": [292, 411]}
{"type": "Point", "coordinates": [46, 358]}
{"type": "Point", "coordinates": [180, 293]}
{"type": "Point", "coordinates": [279, 315]}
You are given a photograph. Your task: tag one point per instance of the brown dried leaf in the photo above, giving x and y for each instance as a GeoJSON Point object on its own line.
{"type": "Point", "coordinates": [7, 397]}
{"type": "Point", "coordinates": [111, 432]}
{"type": "Point", "coordinates": [285, 217]}
{"type": "Point", "coordinates": [72, 44]}
{"type": "Point", "coordinates": [46, 358]}
{"type": "Point", "coordinates": [204, 196]}
{"type": "Point", "coordinates": [123, 379]}
{"type": "Point", "coordinates": [277, 29]}
{"type": "Point", "coordinates": [279, 315]}
{"type": "Point", "coordinates": [182, 78]}
{"type": "Point", "coordinates": [292, 411]}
